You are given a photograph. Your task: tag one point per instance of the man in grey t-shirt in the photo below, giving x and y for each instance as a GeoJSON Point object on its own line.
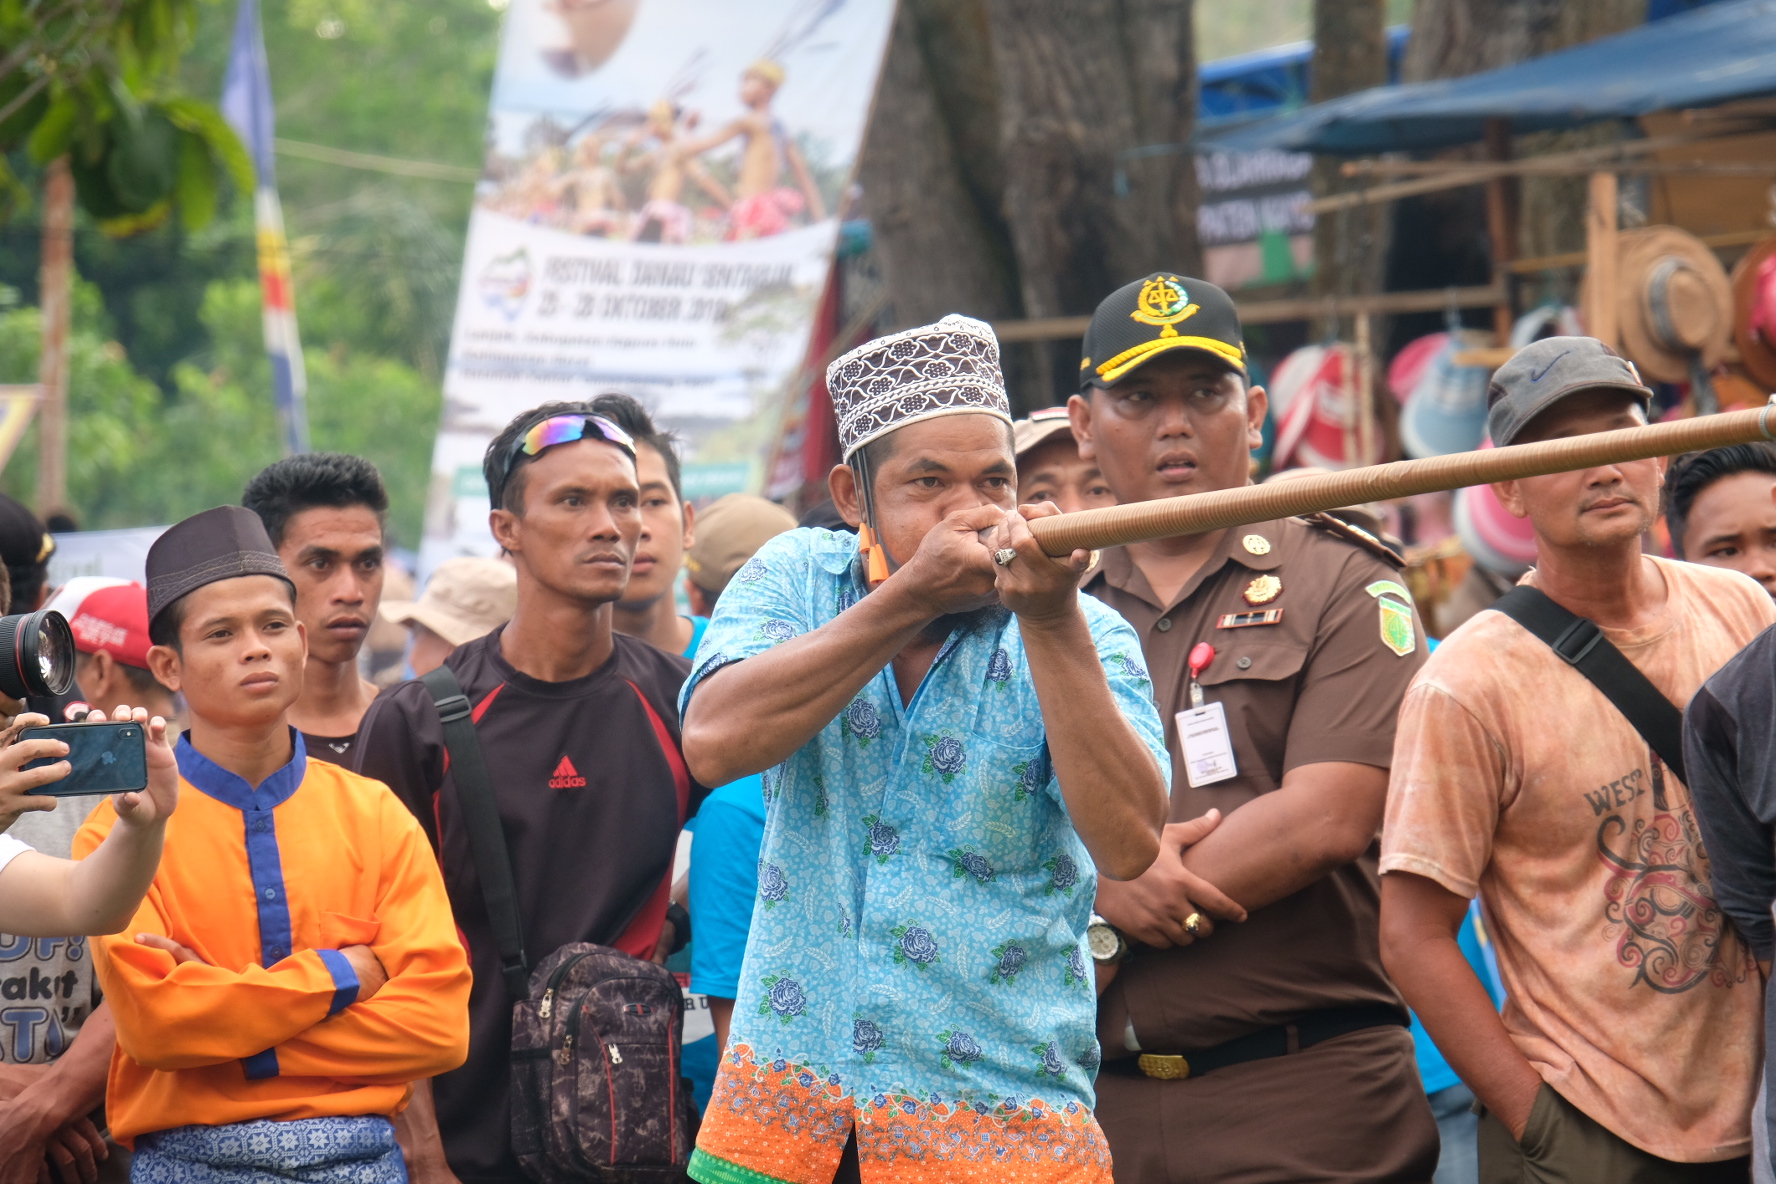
{"type": "Point", "coordinates": [55, 1049]}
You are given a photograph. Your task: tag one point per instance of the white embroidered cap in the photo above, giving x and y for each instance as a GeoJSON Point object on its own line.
{"type": "Point", "coordinates": [943, 369]}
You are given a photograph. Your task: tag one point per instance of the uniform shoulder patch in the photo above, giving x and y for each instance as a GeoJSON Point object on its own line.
{"type": "Point", "coordinates": [1355, 535]}
{"type": "Point", "coordinates": [1395, 603]}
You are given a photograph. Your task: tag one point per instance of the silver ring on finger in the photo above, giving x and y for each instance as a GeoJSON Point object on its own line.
{"type": "Point", "coordinates": [1003, 556]}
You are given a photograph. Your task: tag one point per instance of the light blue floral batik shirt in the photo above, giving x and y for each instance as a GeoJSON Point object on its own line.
{"type": "Point", "coordinates": [917, 963]}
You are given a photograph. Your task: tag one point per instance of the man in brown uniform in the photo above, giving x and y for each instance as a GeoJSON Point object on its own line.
{"type": "Point", "coordinates": [1273, 1048]}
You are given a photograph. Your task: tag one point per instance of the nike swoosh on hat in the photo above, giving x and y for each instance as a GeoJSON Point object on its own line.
{"type": "Point", "coordinates": [1537, 376]}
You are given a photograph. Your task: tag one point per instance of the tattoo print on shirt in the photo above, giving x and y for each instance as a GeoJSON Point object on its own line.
{"type": "Point", "coordinates": [1661, 914]}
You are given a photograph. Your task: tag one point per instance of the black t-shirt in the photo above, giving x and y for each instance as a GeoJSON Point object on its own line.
{"type": "Point", "coordinates": [336, 749]}
{"type": "Point", "coordinates": [592, 789]}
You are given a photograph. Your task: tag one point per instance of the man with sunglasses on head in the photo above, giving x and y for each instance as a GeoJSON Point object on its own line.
{"type": "Point", "coordinates": [579, 728]}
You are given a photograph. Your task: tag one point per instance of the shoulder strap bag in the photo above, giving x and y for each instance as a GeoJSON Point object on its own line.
{"type": "Point", "coordinates": [597, 1035]}
{"type": "Point", "coordinates": [1581, 644]}
{"type": "Point", "coordinates": [481, 822]}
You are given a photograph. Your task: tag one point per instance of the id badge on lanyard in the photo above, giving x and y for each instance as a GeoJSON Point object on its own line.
{"type": "Point", "coordinates": [1203, 735]}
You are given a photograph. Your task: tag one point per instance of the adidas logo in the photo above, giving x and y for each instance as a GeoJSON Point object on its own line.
{"type": "Point", "coordinates": [566, 776]}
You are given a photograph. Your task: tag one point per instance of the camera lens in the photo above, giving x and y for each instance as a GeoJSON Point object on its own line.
{"type": "Point", "coordinates": [36, 654]}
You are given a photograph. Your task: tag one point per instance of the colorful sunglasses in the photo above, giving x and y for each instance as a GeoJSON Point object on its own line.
{"type": "Point", "coordinates": [565, 429]}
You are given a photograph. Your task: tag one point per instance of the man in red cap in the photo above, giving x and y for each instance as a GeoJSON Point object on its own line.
{"type": "Point", "coordinates": [111, 633]}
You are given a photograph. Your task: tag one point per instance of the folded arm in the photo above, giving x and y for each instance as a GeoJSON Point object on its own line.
{"type": "Point", "coordinates": [183, 1015]}
{"type": "Point", "coordinates": [416, 1025]}
{"type": "Point", "coordinates": [1321, 818]}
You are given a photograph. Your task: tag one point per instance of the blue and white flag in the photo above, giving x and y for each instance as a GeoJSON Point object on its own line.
{"type": "Point", "coordinates": [246, 104]}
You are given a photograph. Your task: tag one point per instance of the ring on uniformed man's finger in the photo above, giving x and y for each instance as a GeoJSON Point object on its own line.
{"type": "Point", "coordinates": [1193, 923]}
{"type": "Point", "coordinates": [1003, 556]}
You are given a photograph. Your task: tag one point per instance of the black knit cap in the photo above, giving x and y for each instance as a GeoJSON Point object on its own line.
{"type": "Point", "coordinates": [219, 544]}
{"type": "Point", "coordinates": [1163, 312]}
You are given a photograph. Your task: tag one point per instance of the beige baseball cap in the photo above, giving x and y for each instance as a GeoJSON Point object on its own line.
{"type": "Point", "coordinates": [466, 598]}
{"type": "Point", "coordinates": [1041, 427]}
{"type": "Point", "coordinates": [727, 534]}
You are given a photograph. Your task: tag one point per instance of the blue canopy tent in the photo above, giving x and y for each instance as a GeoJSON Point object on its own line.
{"type": "Point", "coordinates": [1267, 81]}
{"type": "Point", "coordinates": [1699, 59]}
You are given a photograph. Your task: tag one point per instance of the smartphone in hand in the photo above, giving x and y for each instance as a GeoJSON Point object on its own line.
{"type": "Point", "coordinates": [106, 758]}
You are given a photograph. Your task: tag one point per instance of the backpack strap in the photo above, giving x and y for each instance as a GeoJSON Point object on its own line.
{"type": "Point", "coordinates": [1582, 645]}
{"type": "Point", "coordinates": [481, 821]}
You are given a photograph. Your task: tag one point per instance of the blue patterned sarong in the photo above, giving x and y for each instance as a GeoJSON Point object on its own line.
{"type": "Point", "coordinates": [313, 1150]}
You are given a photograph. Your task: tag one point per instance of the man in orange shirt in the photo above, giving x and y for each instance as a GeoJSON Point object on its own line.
{"type": "Point", "coordinates": [295, 965]}
{"type": "Point", "coordinates": [1628, 1048]}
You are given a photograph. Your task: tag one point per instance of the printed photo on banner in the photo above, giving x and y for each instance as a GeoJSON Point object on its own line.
{"type": "Point", "coordinates": [658, 211]}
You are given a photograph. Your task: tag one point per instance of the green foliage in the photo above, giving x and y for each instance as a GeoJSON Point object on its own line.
{"type": "Point", "coordinates": [404, 78]}
{"type": "Point", "coordinates": [96, 82]}
{"type": "Point", "coordinates": [137, 456]}
{"type": "Point", "coordinates": [376, 258]}
{"type": "Point", "coordinates": [379, 273]}
{"type": "Point", "coordinates": [1223, 30]}
{"type": "Point", "coordinates": [111, 412]}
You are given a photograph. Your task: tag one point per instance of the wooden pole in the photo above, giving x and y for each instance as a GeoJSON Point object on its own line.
{"type": "Point", "coordinates": [1600, 260]}
{"type": "Point", "coordinates": [1199, 513]}
{"type": "Point", "coordinates": [1501, 222]}
{"type": "Point", "coordinates": [55, 303]}
{"type": "Point", "coordinates": [1367, 453]}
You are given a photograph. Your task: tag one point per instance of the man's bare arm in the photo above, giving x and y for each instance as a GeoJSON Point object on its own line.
{"type": "Point", "coordinates": [1321, 818]}
{"type": "Point", "coordinates": [46, 1121]}
{"type": "Point", "coordinates": [422, 1144]}
{"type": "Point", "coordinates": [754, 715]}
{"type": "Point", "coordinates": [1115, 793]}
{"type": "Point", "coordinates": [1420, 922]}
{"type": "Point", "coordinates": [41, 896]}
{"type": "Point", "coordinates": [721, 1014]}
{"type": "Point", "coordinates": [715, 139]}
{"type": "Point", "coordinates": [805, 179]}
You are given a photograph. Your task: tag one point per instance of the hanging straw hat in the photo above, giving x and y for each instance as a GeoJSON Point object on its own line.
{"type": "Point", "coordinates": [1313, 396]}
{"type": "Point", "coordinates": [1754, 312]}
{"type": "Point", "coordinates": [1446, 410]}
{"type": "Point", "coordinates": [1491, 535]}
{"type": "Point", "coordinates": [1409, 364]}
{"type": "Point", "coordinates": [1674, 303]}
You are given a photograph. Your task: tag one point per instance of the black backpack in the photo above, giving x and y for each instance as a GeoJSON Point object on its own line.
{"type": "Point", "coordinates": [596, 1034]}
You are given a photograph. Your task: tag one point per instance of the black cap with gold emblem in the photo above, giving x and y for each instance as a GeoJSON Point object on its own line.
{"type": "Point", "coordinates": [1163, 312]}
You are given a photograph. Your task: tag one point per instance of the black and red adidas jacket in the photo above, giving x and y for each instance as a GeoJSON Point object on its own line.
{"type": "Point", "coordinates": [592, 788]}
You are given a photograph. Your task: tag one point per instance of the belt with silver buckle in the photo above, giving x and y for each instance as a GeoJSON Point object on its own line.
{"type": "Point", "coordinates": [1305, 1031]}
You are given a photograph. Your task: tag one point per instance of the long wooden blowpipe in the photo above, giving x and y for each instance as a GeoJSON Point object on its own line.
{"type": "Point", "coordinates": [1196, 513]}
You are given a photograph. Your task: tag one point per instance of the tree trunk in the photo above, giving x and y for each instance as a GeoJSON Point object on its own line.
{"type": "Point", "coordinates": [991, 166]}
{"type": "Point", "coordinates": [1552, 214]}
{"type": "Point", "coordinates": [55, 302]}
{"type": "Point", "coordinates": [939, 239]}
{"type": "Point", "coordinates": [1073, 113]}
{"type": "Point", "coordinates": [1350, 246]}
